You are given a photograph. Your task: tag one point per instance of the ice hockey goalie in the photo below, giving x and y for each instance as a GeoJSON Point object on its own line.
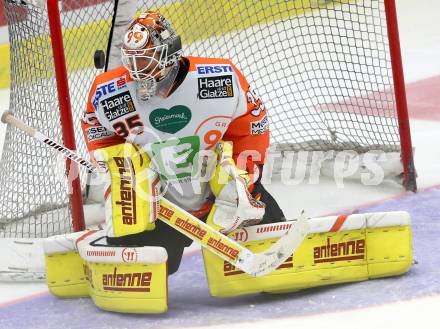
{"type": "Point", "coordinates": [192, 130]}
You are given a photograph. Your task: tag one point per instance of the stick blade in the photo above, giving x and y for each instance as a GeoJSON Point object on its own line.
{"type": "Point", "coordinates": [268, 261]}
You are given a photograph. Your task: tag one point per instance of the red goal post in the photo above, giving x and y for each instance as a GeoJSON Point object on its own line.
{"type": "Point", "coordinates": [409, 174]}
{"type": "Point", "coordinates": [68, 133]}
{"type": "Point", "coordinates": [305, 59]}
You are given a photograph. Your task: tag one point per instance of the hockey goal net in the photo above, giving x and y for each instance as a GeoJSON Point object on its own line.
{"type": "Point", "coordinates": [329, 73]}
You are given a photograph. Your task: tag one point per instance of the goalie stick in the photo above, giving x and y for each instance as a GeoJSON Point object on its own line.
{"type": "Point", "coordinates": [254, 264]}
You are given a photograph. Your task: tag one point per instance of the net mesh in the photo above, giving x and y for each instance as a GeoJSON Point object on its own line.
{"type": "Point", "coordinates": [33, 189]}
{"type": "Point", "coordinates": [322, 69]}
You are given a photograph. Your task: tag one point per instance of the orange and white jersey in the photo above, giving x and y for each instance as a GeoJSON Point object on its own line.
{"type": "Point", "coordinates": [212, 103]}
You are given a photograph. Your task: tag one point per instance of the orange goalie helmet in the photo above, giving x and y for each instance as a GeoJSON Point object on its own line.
{"type": "Point", "coordinates": [150, 47]}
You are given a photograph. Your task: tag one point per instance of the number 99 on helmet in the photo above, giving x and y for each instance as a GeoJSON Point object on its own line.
{"type": "Point", "coordinates": [150, 50]}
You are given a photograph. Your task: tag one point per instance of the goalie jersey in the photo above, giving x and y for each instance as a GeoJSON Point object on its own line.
{"type": "Point", "coordinates": [210, 101]}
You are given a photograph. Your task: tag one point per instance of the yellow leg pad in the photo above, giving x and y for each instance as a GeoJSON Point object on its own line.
{"type": "Point", "coordinates": [321, 259]}
{"type": "Point", "coordinates": [389, 251]}
{"type": "Point", "coordinates": [65, 275]}
{"type": "Point", "coordinates": [128, 287]}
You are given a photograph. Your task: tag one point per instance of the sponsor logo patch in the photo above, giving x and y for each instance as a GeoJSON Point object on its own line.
{"type": "Point", "coordinates": [128, 282]}
{"type": "Point", "coordinates": [339, 251]}
{"type": "Point", "coordinates": [101, 253]}
{"type": "Point", "coordinates": [127, 193]}
{"type": "Point", "coordinates": [121, 82]}
{"type": "Point", "coordinates": [166, 212]}
{"type": "Point", "coordinates": [273, 228]}
{"type": "Point", "coordinates": [240, 235]}
{"type": "Point", "coordinates": [129, 255]}
{"type": "Point", "coordinates": [175, 157]}
{"type": "Point", "coordinates": [215, 87]}
{"type": "Point", "coordinates": [103, 90]}
{"type": "Point", "coordinates": [195, 230]}
{"type": "Point", "coordinates": [170, 120]}
{"type": "Point", "coordinates": [229, 269]}
{"type": "Point", "coordinates": [117, 106]}
{"type": "Point", "coordinates": [213, 69]}
{"type": "Point", "coordinates": [96, 133]}
{"type": "Point", "coordinates": [223, 248]}
{"type": "Point", "coordinates": [259, 127]}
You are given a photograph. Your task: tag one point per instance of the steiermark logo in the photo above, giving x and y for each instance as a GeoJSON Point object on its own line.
{"type": "Point", "coordinates": [170, 120]}
{"type": "Point", "coordinates": [175, 157]}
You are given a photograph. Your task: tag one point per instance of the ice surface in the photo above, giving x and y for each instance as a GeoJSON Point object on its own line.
{"type": "Point", "coordinates": [191, 305]}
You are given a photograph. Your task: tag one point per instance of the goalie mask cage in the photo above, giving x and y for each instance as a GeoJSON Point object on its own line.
{"type": "Point", "coordinates": [329, 73]}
